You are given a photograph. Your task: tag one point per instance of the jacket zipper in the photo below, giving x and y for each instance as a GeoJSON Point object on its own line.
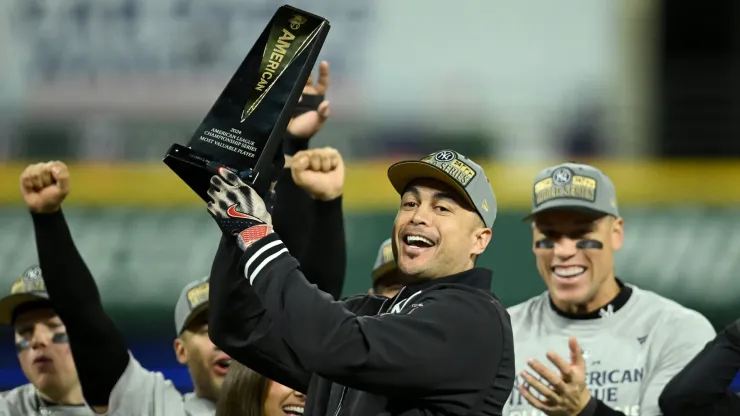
{"type": "Point", "coordinates": [344, 388]}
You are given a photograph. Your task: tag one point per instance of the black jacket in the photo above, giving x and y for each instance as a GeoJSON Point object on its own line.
{"type": "Point", "coordinates": [441, 347]}
{"type": "Point", "coordinates": [701, 388]}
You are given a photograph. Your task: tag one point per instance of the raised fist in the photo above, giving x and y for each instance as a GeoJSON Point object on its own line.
{"type": "Point", "coordinates": [44, 186]}
{"type": "Point", "coordinates": [320, 172]}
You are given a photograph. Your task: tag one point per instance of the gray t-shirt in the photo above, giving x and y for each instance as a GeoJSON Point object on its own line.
{"type": "Point", "coordinates": [137, 392]}
{"type": "Point", "coordinates": [630, 354]}
{"type": "Point", "coordinates": [197, 406]}
{"type": "Point", "coordinates": [24, 400]}
{"type": "Point", "coordinates": [143, 392]}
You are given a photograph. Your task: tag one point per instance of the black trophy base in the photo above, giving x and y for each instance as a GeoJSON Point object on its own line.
{"type": "Point", "coordinates": [192, 167]}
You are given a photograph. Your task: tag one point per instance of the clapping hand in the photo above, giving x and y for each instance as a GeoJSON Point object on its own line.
{"type": "Point", "coordinates": [566, 394]}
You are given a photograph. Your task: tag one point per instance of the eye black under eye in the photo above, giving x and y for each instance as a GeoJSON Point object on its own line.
{"type": "Point", "coordinates": [586, 244]}
{"type": "Point", "coordinates": [589, 244]}
{"type": "Point", "coordinates": [22, 345]}
{"type": "Point", "coordinates": [544, 243]}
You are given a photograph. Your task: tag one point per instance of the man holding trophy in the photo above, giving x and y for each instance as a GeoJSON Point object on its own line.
{"type": "Point", "coordinates": [442, 345]}
{"type": "Point", "coordinates": [362, 355]}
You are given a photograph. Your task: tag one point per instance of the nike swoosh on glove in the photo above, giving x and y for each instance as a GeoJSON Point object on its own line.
{"type": "Point", "coordinates": [238, 209]}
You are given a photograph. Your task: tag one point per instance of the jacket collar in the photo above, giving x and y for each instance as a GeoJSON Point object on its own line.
{"type": "Point", "coordinates": [477, 278]}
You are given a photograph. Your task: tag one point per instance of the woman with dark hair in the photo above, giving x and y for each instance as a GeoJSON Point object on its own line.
{"type": "Point", "coordinates": [246, 392]}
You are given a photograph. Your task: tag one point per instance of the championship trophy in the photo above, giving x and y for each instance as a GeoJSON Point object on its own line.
{"type": "Point", "coordinates": [245, 127]}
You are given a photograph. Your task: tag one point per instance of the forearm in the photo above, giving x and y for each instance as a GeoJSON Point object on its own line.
{"type": "Point", "coordinates": [702, 386]}
{"type": "Point", "coordinates": [325, 263]}
{"type": "Point", "coordinates": [370, 353]}
{"type": "Point", "coordinates": [291, 216]}
{"type": "Point", "coordinates": [298, 309]}
{"type": "Point", "coordinates": [233, 308]}
{"type": "Point", "coordinates": [239, 326]}
{"type": "Point", "coordinates": [75, 298]}
{"type": "Point", "coordinates": [596, 407]}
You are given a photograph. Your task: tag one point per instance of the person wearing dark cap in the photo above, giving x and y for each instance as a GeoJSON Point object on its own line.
{"type": "Point", "coordinates": [43, 353]}
{"type": "Point", "coordinates": [421, 352]}
{"type": "Point", "coordinates": [612, 346]}
{"type": "Point", "coordinates": [385, 274]}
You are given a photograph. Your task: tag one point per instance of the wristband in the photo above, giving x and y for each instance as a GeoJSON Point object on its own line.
{"type": "Point", "coordinates": [252, 234]}
{"type": "Point", "coordinates": [309, 102]}
{"type": "Point", "coordinates": [294, 144]}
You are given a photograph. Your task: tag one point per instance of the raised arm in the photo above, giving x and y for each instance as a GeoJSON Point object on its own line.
{"type": "Point", "coordinates": [312, 212]}
{"type": "Point", "coordinates": [320, 172]}
{"type": "Point", "coordinates": [239, 325]}
{"type": "Point", "coordinates": [72, 289]}
{"type": "Point", "coordinates": [701, 387]}
{"type": "Point", "coordinates": [116, 384]}
{"type": "Point", "coordinates": [291, 215]}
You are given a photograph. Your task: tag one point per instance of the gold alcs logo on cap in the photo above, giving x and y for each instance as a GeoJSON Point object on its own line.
{"type": "Point", "coordinates": [198, 295]}
{"type": "Point", "coordinates": [447, 161]}
{"type": "Point", "coordinates": [296, 21]}
{"type": "Point", "coordinates": [564, 184]}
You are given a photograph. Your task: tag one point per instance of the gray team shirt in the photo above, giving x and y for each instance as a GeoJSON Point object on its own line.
{"type": "Point", "coordinates": [137, 392]}
{"type": "Point", "coordinates": [630, 354]}
{"type": "Point", "coordinates": [197, 406]}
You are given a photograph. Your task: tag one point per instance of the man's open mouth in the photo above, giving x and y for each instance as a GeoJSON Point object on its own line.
{"type": "Point", "coordinates": [568, 272]}
{"type": "Point", "coordinates": [418, 241]}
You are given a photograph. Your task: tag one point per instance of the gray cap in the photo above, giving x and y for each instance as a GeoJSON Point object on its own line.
{"type": "Point", "coordinates": [385, 262]}
{"type": "Point", "coordinates": [193, 300]}
{"type": "Point", "coordinates": [454, 169]}
{"type": "Point", "coordinates": [28, 288]}
{"type": "Point", "coordinates": [574, 186]}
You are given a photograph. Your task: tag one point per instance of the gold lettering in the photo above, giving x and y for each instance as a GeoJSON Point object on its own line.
{"type": "Point", "coordinates": [454, 172]}
{"type": "Point", "coordinates": [287, 35]}
{"type": "Point", "coordinates": [543, 184]}
{"type": "Point", "coordinates": [584, 181]}
{"type": "Point", "coordinates": [262, 83]}
{"type": "Point", "coordinates": [276, 57]}
{"type": "Point", "coordinates": [567, 191]}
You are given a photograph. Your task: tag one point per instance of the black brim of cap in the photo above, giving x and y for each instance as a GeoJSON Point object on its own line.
{"type": "Point", "coordinates": [191, 317]}
{"type": "Point", "coordinates": [595, 213]}
{"type": "Point", "coordinates": [401, 174]}
{"type": "Point", "coordinates": [383, 269]}
{"type": "Point", "coordinates": [10, 303]}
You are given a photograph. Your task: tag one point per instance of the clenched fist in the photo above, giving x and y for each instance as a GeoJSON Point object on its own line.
{"type": "Point", "coordinates": [320, 172]}
{"type": "Point", "coordinates": [44, 186]}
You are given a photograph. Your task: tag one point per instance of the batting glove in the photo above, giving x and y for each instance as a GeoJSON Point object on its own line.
{"type": "Point", "coordinates": [237, 208]}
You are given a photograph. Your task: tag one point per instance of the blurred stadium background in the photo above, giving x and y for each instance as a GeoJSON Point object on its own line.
{"type": "Point", "coordinates": [644, 89]}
